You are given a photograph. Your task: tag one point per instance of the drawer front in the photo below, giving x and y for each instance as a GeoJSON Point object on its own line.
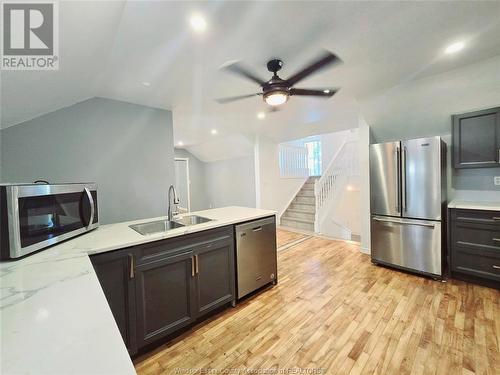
{"type": "Point", "coordinates": [158, 250]}
{"type": "Point", "coordinates": [476, 216]}
{"type": "Point", "coordinates": [483, 236]}
{"type": "Point", "coordinates": [482, 264]}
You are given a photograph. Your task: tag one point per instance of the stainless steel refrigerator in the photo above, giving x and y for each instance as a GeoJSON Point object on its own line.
{"type": "Point", "coordinates": [408, 200]}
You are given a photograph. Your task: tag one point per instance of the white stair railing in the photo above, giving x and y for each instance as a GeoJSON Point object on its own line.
{"type": "Point", "coordinates": [344, 164]}
{"type": "Point", "coordinates": [293, 161]}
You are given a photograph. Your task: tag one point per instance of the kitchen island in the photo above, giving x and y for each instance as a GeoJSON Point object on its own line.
{"type": "Point", "coordinates": [55, 318]}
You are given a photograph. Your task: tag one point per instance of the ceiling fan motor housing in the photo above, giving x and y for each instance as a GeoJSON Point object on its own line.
{"type": "Point", "coordinates": [274, 65]}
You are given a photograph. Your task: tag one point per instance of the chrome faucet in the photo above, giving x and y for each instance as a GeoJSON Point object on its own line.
{"type": "Point", "coordinates": [176, 201]}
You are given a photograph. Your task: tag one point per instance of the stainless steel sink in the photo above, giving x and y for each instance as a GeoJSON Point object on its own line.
{"type": "Point", "coordinates": [192, 220]}
{"type": "Point", "coordinates": [156, 227]}
{"type": "Point", "coordinates": [166, 225]}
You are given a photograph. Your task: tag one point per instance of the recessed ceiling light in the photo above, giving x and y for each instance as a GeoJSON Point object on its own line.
{"type": "Point", "coordinates": [198, 23]}
{"type": "Point", "coordinates": [180, 143]}
{"type": "Point", "coordinates": [213, 131]}
{"type": "Point", "coordinates": [261, 115]}
{"type": "Point", "coordinates": [326, 91]}
{"type": "Point", "coordinates": [147, 84]}
{"type": "Point", "coordinates": [455, 47]}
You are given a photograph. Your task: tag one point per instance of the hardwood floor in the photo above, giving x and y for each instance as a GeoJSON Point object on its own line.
{"type": "Point", "coordinates": [333, 312]}
{"type": "Point", "coordinates": [285, 237]}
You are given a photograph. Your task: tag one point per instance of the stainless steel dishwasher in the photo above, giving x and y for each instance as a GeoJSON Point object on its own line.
{"type": "Point", "coordinates": [256, 256]}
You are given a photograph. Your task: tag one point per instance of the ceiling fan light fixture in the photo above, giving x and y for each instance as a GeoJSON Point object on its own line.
{"type": "Point", "coordinates": [276, 98]}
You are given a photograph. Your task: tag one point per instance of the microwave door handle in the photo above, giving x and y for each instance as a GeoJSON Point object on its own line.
{"type": "Point", "coordinates": [91, 202]}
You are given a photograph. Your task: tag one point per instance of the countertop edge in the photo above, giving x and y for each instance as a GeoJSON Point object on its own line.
{"type": "Point", "coordinates": [469, 205]}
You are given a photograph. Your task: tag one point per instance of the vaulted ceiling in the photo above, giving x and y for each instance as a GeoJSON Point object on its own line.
{"type": "Point", "coordinates": [109, 48]}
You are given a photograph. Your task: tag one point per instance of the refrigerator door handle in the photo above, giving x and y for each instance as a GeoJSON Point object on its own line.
{"type": "Point", "coordinates": [403, 180]}
{"type": "Point", "coordinates": [398, 179]}
{"type": "Point", "coordinates": [430, 225]}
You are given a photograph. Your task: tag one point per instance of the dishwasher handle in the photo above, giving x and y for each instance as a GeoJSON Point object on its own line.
{"type": "Point", "coordinates": [256, 225]}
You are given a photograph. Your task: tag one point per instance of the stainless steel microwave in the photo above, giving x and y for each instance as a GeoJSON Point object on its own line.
{"type": "Point", "coordinates": [35, 216]}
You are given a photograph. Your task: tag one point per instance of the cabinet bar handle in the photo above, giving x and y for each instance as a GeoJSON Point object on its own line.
{"type": "Point", "coordinates": [132, 266]}
{"type": "Point", "coordinates": [496, 218]}
{"type": "Point", "coordinates": [496, 267]}
{"type": "Point", "coordinates": [192, 266]}
{"type": "Point", "coordinates": [197, 269]}
{"type": "Point", "coordinates": [496, 239]}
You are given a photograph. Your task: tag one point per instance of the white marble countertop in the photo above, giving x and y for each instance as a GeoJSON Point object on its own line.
{"type": "Point", "coordinates": [475, 205]}
{"type": "Point", "coordinates": [53, 313]}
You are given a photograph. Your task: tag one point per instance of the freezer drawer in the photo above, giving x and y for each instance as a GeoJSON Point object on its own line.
{"type": "Point", "coordinates": [256, 256]}
{"type": "Point", "coordinates": [407, 243]}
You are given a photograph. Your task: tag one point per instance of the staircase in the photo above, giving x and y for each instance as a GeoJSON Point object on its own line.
{"type": "Point", "coordinates": [301, 212]}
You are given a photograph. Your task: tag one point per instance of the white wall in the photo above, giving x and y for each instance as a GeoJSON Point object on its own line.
{"type": "Point", "coordinates": [344, 214]}
{"type": "Point", "coordinates": [231, 182]}
{"type": "Point", "coordinates": [340, 217]}
{"type": "Point", "coordinates": [273, 192]}
{"type": "Point", "coordinates": [331, 142]}
{"type": "Point", "coordinates": [364, 194]}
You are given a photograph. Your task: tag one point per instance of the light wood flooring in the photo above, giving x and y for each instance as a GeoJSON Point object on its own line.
{"type": "Point", "coordinates": [333, 312]}
{"type": "Point", "coordinates": [285, 237]}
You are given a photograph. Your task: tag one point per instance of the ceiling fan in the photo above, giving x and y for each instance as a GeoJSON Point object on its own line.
{"type": "Point", "coordinates": [277, 91]}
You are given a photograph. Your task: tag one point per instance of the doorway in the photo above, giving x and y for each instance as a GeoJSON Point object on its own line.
{"type": "Point", "coordinates": [182, 183]}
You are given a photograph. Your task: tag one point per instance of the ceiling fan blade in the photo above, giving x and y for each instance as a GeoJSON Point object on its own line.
{"type": "Point", "coordinates": [236, 68]}
{"type": "Point", "coordinates": [326, 59]}
{"type": "Point", "coordinates": [326, 93]}
{"type": "Point", "coordinates": [234, 98]}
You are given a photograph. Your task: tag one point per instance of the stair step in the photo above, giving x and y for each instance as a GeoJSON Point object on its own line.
{"type": "Point", "coordinates": [299, 215]}
{"type": "Point", "coordinates": [304, 200]}
{"type": "Point", "coordinates": [301, 220]}
{"type": "Point", "coordinates": [297, 224]}
{"type": "Point", "coordinates": [306, 193]}
{"type": "Point", "coordinates": [311, 208]}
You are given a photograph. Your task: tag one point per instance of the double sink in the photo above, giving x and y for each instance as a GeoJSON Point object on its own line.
{"type": "Point", "coordinates": [158, 226]}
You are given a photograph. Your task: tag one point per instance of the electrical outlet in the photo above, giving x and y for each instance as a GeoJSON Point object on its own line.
{"type": "Point", "coordinates": [496, 180]}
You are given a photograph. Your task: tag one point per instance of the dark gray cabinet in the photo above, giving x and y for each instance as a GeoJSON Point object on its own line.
{"type": "Point", "coordinates": [476, 139]}
{"type": "Point", "coordinates": [475, 246]}
{"type": "Point", "coordinates": [215, 275]}
{"type": "Point", "coordinates": [157, 288]}
{"type": "Point", "coordinates": [115, 273]}
{"type": "Point", "coordinates": [165, 296]}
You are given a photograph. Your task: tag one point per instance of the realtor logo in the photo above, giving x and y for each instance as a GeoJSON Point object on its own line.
{"type": "Point", "coordinates": [29, 36]}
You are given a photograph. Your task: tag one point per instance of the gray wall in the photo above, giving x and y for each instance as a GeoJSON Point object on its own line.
{"type": "Point", "coordinates": [198, 186]}
{"type": "Point", "coordinates": [126, 148]}
{"type": "Point", "coordinates": [231, 182]}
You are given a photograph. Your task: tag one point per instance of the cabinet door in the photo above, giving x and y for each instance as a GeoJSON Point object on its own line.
{"type": "Point", "coordinates": [476, 139]}
{"type": "Point", "coordinates": [115, 273]}
{"type": "Point", "coordinates": [215, 273]}
{"type": "Point", "coordinates": [164, 296]}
